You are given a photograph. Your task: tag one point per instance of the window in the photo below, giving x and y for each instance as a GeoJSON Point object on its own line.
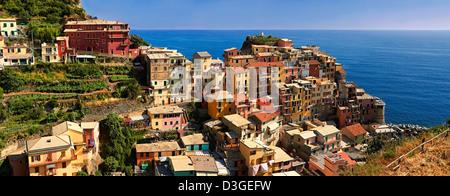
{"type": "Point", "coordinates": [64, 165]}
{"type": "Point", "coordinates": [36, 158]}
{"type": "Point", "coordinates": [159, 154]}
{"type": "Point", "coordinates": [142, 154]}
{"type": "Point", "coordinates": [173, 153]}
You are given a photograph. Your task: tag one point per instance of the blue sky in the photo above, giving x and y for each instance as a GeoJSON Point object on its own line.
{"type": "Point", "coordinates": [275, 14]}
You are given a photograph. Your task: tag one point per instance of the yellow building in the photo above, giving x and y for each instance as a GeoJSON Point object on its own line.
{"type": "Point", "coordinates": [261, 48]}
{"type": "Point", "coordinates": [278, 72]}
{"type": "Point", "coordinates": [329, 63]}
{"type": "Point", "coordinates": [220, 104]}
{"type": "Point", "coordinates": [17, 55]}
{"type": "Point", "coordinates": [293, 105]}
{"type": "Point", "coordinates": [51, 156]}
{"type": "Point", "coordinates": [50, 53]}
{"type": "Point", "coordinates": [8, 27]}
{"type": "Point", "coordinates": [75, 132]}
{"type": "Point", "coordinates": [258, 157]}
{"type": "Point", "coordinates": [243, 128]}
{"type": "Point", "coordinates": [322, 90]}
{"type": "Point", "coordinates": [241, 60]}
{"type": "Point", "coordinates": [305, 99]}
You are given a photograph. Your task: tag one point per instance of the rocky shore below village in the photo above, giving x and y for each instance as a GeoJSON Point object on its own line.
{"type": "Point", "coordinates": [408, 128]}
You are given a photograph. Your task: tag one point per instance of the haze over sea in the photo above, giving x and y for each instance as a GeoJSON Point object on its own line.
{"type": "Point", "coordinates": [408, 69]}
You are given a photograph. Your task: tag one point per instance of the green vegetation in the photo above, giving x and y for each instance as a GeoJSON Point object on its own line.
{"type": "Point", "coordinates": [56, 11]}
{"type": "Point", "coordinates": [263, 40]}
{"type": "Point", "coordinates": [121, 78]}
{"type": "Point", "coordinates": [11, 81]}
{"type": "Point", "coordinates": [138, 41]}
{"type": "Point", "coordinates": [73, 86]}
{"type": "Point", "coordinates": [118, 144]}
{"type": "Point", "coordinates": [42, 97]}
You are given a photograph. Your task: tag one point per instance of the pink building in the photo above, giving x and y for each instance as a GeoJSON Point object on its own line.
{"type": "Point", "coordinates": [169, 117]}
{"type": "Point", "coordinates": [328, 164]}
{"type": "Point", "coordinates": [91, 134]}
{"type": "Point", "coordinates": [292, 73]}
{"type": "Point", "coordinates": [231, 52]}
{"type": "Point", "coordinates": [18, 162]}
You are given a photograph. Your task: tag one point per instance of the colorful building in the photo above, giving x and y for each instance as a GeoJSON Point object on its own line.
{"type": "Point", "coordinates": [355, 133]}
{"type": "Point", "coordinates": [220, 104]}
{"type": "Point", "coordinates": [51, 156]}
{"type": "Point", "coordinates": [243, 128]}
{"type": "Point", "coordinates": [240, 60]}
{"type": "Point", "coordinates": [195, 142]}
{"type": "Point", "coordinates": [99, 36]}
{"type": "Point", "coordinates": [169, 117]}
{"type": "Point", "coordinates": [181, 166]}
{"type": "Point", "coordinates": [8, 27]}
{"type": "Point", "coordinates": [50, 53]}
{"type": "Point", "coordinates": [267, 127]}
{"type": "Point", "coordinates": [85, 140]}
{"type": "Point", "coordinates": [327, 164]}
{"type": "Point", "coordinates": [287, 43]}
{"type": "Point", "coordinates": [148, 155]}
{"type": "Point", "coordinates": [17, 55]}
{"type": "Point", "coordinates": [329, 136]}
{"type": "Point", "coordinates": [259, 158]}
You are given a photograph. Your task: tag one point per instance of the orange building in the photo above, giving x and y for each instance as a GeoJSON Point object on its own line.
{"type": "Point", "coordinates": [51, 156]}
{"type": "Point", "coordinates": [148, 154]}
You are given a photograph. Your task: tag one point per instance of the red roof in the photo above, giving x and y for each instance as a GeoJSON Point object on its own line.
{"type": "Point", "coordinates": [355, 130]}
{"type": "Point", "coordinates": [263, 117]}
{"type": "Point", "coordinates": [342, 71]}
{"type": "Point", "coordinates": [313, 62]}
{"type": "Point", "coordinates": [264, 64]}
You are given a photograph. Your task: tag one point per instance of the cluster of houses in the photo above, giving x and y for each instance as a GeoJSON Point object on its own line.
{"type": "Point", "coordinates": [72, 147]}
{"type": "Point", "coordinates": [319, 122]}
{"type": "Point", "coordinates": [81, 40]}
{"type": "Point", "coordinates": [13, 54]}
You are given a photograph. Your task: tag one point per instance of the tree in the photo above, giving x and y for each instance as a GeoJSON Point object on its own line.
{"type": "Point", "coordinates": [1, 93]}
{"type": "Point", "coordinates": [82, 173]}
{"type": "Point", "coordinates": [11, 81]}
{"type": "Point", "coordinates": [52, 104]}
{"type": "Point", "coordinates": [111, 164]}
{"type": "Point", "coordinates": [119, 142]}
{"type": "Point", "coordinates": [3, 113]}
{"type": "Point", "coordinates": [138, 41]}
{"type": "Point", "coordinates": [132, 90]}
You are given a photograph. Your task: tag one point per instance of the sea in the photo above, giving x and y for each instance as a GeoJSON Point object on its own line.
{"type": "Point", "coordinates": [409, 70]}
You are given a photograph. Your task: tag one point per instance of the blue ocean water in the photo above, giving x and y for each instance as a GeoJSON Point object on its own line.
{"type": "Point", "coordinates": [410, 70]}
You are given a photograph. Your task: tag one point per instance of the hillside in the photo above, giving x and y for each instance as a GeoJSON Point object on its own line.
{"type": "Point", "coordinates": [258, 40]}
{"type": "Point", "coordinates": [433, 161]}
{"type": "Point", "coordinates": [55, 11]}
